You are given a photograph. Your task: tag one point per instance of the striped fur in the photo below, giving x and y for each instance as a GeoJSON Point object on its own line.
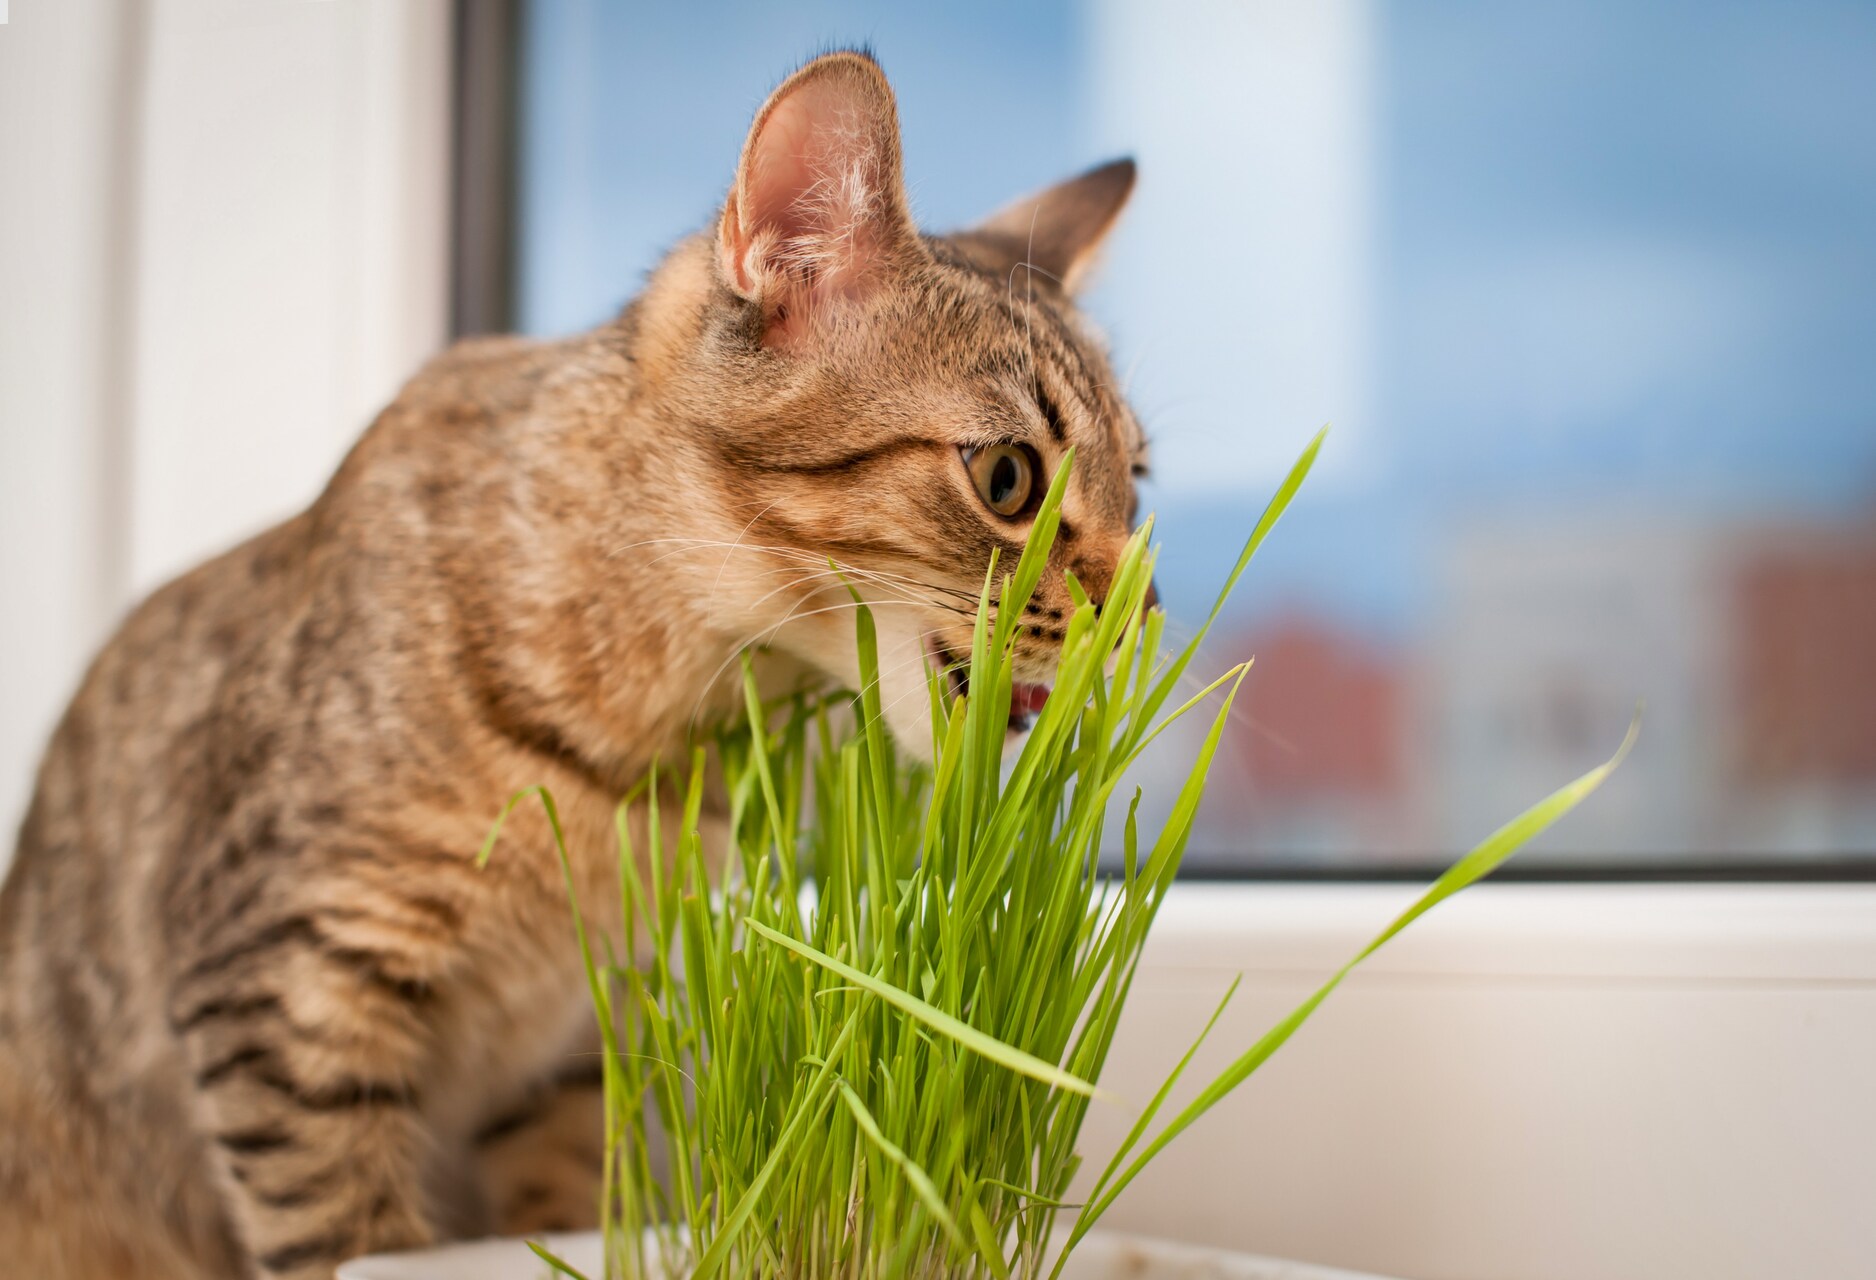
{"type": "Point", "coordinates": [258, 1009]}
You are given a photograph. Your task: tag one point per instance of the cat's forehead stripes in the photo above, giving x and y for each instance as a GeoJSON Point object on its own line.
{"type": "Point", "coordinates": [1071, 379]}
{"type": "Point", "coordinates": [1044, 352]}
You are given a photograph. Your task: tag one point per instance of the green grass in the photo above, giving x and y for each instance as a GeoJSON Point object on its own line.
{"type": "Point", "coordinates": [871, 1040]}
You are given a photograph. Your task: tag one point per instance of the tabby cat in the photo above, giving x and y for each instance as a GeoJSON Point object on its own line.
{"type": "Point", "coordinates": [259, 1010]}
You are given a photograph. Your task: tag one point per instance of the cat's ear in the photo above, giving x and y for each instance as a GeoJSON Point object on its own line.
{"type": "Point", "coordinates": [819, 209]}
{"type": "Point", "coordinates": [1058, 231]}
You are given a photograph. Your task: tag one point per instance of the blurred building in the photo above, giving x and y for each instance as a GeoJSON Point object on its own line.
{"type": "Point", "coordinates": [1801, 754]}
{"type": "Point", "coordinates": [1549, 634]}
{"type": "Point", "coordinates": [1751, 646]}
{"type": "Point", "coordinates": [1314, 765]}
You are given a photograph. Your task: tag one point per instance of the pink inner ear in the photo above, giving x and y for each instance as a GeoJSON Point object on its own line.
{"type": "Point", "coordinates": [812, 197]}
{"type": "Point", "coordinates": [782, 171]}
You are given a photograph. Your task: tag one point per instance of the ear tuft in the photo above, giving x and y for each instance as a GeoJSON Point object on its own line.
{"type": "Point", "coordinates": [1059, 231]}
{"type": "Point", "coordinates": [819, 210]}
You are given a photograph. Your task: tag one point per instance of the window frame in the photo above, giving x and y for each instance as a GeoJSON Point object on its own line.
{"type": "Point", "coordinates": [485, 262]}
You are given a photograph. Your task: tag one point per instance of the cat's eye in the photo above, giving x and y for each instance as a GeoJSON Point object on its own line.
{"type": "Point", "coordinates": [1005, 476]}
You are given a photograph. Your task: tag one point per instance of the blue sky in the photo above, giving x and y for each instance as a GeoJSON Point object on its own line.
{"type": "Point", "coordinates": [1586, 256]}
{"type": "Point", "coordinates": [634, 114]}
{"type": "Point", "coordinates": [1642, 234]}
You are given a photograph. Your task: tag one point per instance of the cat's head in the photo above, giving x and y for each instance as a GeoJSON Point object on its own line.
{"type": "Point", "coordinates": [896, 403]}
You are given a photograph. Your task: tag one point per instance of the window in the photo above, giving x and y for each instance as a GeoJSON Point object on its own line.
{"type": "Point", "coordinates": [1588, 290]}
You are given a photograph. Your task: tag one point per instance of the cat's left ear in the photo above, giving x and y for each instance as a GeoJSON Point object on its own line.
{"type": "Point", "coordinates": [1059, 231]}
{"type": "Point", "coordinates": [819, 210]}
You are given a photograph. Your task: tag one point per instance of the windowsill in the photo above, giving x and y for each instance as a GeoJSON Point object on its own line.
{"type": "Point", "coordinates": [1673, 932]}
{"type": "Point", "coordinates": [1533, 1082]}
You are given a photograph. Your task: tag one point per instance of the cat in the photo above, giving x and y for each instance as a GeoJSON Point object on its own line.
{"type": "Point", "coordinates": [259, 1009]}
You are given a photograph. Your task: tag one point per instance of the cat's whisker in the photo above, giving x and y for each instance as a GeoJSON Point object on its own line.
{"type": "Point", "coordinates": [1191, 682]}
{"type": "Point", "coordinates": [766, 635]}
{"type": "Point", "coordinates": [1187, 682]}
{"type": "Point", "coordinates": [1029, 337]}
{"type": "Point", "coordinates": [881, 575]}
{"type": "Point", "coordinates": [826, 574]}
{"type": "Point", "coordinates": [816, 580]}
{"type": "Point", "coordinates": [904, 663]}
{"type": "Point", "coordinates": [962, 662]}
{"type": "Point", "coordinates": [738, 542]}
{"type": "Point", "coordinates": [795, 553]}
{"type": "Point", "coordinates": [1241, 716]}
{"type": "Point", "coordinates": [1133, 367]}
{"type": "Point", "coordinates": [1029, 281]}
{"type": "Point", "coordinates": [886, 708]}
{"type": "Point", "coordinates": [904, 594]}
{"type": "Point", "coordinates": [794, 567]}
{"type": "Point", "coordinates": [817, 573]}
{"type": "Point", "coordinates": [919, 657]}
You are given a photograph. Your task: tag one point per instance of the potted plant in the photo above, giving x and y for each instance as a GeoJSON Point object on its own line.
{"type": "Point", "coordinates": [865, 1047]}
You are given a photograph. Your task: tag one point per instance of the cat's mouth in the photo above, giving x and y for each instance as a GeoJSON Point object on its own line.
{"type": "Point", "coordinates": [1026, 700]}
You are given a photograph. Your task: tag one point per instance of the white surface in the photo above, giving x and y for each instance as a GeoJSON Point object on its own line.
{"type": "Point", "coordinates": [1542, 1082]}
{"type": "Point", "coordinates": [222, 248]}
{"type": "Point", "coordinates": [1099, 1257]}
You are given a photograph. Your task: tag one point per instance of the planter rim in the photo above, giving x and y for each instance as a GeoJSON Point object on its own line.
{"type": "Point", "coordinates": [1101, 1256]}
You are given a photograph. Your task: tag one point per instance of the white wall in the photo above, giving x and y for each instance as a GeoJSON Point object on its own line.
{"type": "Point", "coordinates": [291, 253]}
{"type": "Point", "coordinates": [63, 69]}
{"type": "Point", "coordinates": [223, 245]}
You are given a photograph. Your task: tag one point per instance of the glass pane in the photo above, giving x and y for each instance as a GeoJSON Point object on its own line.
{"type": "Point", "coordinates": [1588, 290]}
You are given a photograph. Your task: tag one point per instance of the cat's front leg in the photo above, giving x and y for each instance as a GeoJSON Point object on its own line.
{"type": "Point", "coordinates": [542, 1160]}
{"type": "Point", "coordinates": [308, 1058]}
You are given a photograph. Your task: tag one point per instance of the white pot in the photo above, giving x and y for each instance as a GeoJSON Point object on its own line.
{"type": "Point", "coordinates": [1099, 1257]}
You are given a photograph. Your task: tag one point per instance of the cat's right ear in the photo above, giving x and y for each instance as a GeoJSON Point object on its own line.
{"type": "Point", "coordinates": [819, 211]}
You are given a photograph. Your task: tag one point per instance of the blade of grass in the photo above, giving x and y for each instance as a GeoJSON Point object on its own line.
{"type": "Point", "coordinates": [921, 1182]}
{"type": "Point", "coordinates": [937, 1019]}
{"type": "Point", "coordinates": [559, 1265]}
{"type": "Point", "coordinates": [1481, 861]}
{"type": "Point", "coordinates": [745, 1207]}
